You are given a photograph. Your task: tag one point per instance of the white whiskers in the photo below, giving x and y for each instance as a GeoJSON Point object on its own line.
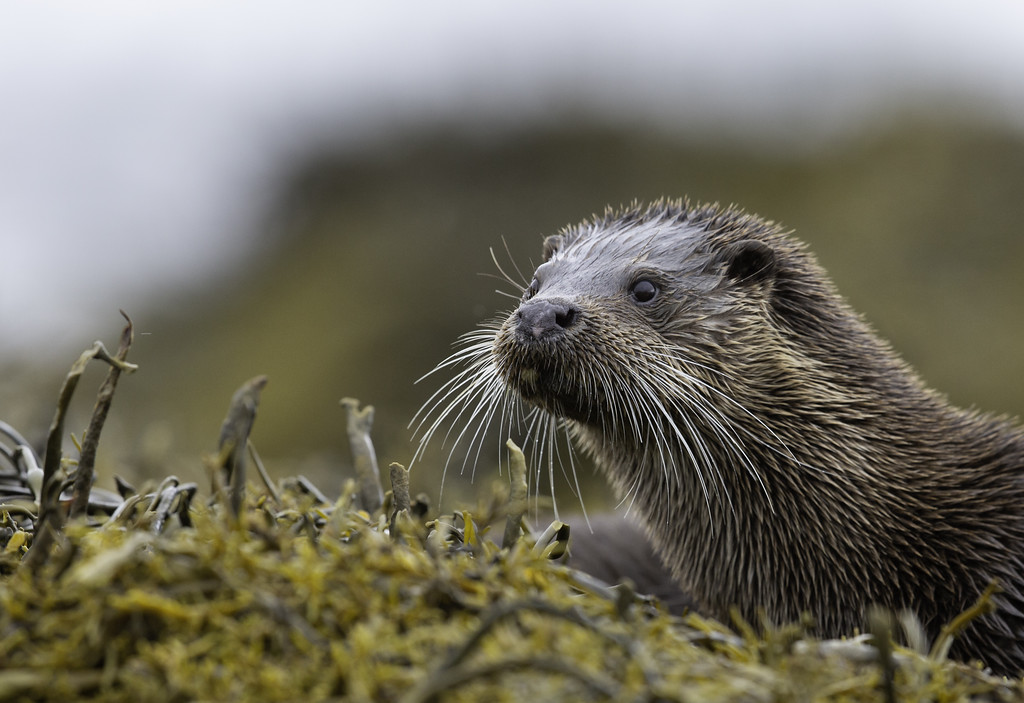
{"type": "Point", "coordinates": [671, 412]}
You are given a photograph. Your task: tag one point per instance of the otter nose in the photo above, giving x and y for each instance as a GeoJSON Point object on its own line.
{"type": "Point", "coordinates": [546, 318]}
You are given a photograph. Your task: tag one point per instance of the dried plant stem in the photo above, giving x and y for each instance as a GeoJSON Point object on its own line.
{"type": "Point", "coordinates": [262, 471]}
{"type": "Point", "coordinates": [90, 443]}
{"type": "Point", "coordinates": [983, 606]}
{"type": "Point", "coordinates": [234, 435]}
{"type": "Point", "coordinates": [51, 517]}
{"type": "Point", "coordinates": [359, 423]}
{"type": "Point", "coordinates": [880, 624]}
{"type": "Point", "coordinates": [399, 497]}
{"type": "Point", "coordinates": [400, 487]}
{"type": "Point", "coordinates": [518, 497]}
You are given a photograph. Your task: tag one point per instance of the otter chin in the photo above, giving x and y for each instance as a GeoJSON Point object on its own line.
{"type": "Point", "coordinates": [780, 456]}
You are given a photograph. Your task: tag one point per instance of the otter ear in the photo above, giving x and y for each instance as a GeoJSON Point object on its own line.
{"type": "Point", "coordinates": [552, 244]}
{"type": "Point", "coordinates": [749, 261]}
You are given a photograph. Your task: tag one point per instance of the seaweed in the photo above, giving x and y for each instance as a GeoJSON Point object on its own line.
{"type": "Point", "coordinates": [269, 591]}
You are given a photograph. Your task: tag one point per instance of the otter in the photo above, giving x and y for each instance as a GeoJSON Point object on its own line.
{"type": "Point", "coordinates": [782, 458]}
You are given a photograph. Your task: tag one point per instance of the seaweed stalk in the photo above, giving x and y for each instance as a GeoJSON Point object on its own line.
{"type": "Point", "coordinates": [983, 606]}
{"type": "Point", "coordinates": [87, 458]}
{"type": "Point", "coordinates": [880, 624]}
{"type": "Point", "coordinates": [517, 499]}
{"type": "Point", "coordinates": [262, 470]}
{"type": "Point", "coordinates": [359, 424]}
{"type": "Point", "coordinates": [399, 497]}
{"type": "Point", "coordinates": [234, 436]}
{"type": "Point", "coordinates": [400, 486]}
{"type": "Point", "coordinates": [51, 517]}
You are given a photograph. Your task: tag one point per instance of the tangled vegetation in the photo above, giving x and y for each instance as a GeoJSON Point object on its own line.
{"type": "Point", "coordinates": [264, 591]}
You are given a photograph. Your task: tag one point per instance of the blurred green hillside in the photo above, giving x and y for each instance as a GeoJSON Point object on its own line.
{"type": "Point", "coordinates": [373, 264]}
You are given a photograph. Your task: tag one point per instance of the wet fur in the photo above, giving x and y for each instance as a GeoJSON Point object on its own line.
{"type": "Point", "coordinates": [780, 454]}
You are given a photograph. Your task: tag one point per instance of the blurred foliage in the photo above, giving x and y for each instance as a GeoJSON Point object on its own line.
{"type": "Point", "coordinates": [370, 268]}
{"type": "Point", "coordinates": [297, 599]}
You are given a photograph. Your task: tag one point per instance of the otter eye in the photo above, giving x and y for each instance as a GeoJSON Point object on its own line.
{"type": "Point", "coordinates": [532, 289]}
{"type": "Point", "coordinates": [643, 291]}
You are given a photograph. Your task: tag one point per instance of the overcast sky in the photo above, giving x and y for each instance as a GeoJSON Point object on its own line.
{"type": "Point", "coordinates": [154, 133]}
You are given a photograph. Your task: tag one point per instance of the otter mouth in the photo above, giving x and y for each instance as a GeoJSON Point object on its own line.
{"type": "Point", "coordinates": [539, 384]}
{"type": "Point", "coordinates": [540, 372]}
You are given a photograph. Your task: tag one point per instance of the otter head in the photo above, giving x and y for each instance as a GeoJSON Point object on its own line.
{"type": "Point", "coordinates": [624, 309]}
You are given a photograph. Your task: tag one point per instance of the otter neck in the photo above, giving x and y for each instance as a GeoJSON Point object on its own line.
{"type": "Point", "coordinates": [734, 530]}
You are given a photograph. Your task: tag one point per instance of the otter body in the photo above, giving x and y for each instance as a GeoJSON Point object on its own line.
{"type": "Point", "coordinates": [780, 455]}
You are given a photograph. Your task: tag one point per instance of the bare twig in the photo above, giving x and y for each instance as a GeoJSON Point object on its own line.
{"type": "Point", "coordinates": [262, 470]}
{"type": "Point", "coordinates": [517, 499]}
{"type": "Point", "coordinates": [400, 496]}
{"type": "Point", "coordinates": [880, 623]}
{"type": "Point", "coordinates": [51, 517]}
{"type": "Point", "coordinates": [234, 434]}
{"type": "Point", "coordinates": [87, 459]}
{"type": "Point", "coordinates": [400, 486]}
{"type": "Point", "coordinates": [359, 424]}
{"type": "Point", "coordinates": [983, 606]}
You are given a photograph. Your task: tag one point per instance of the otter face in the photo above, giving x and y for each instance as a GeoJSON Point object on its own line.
{"type": "Point", "coordinates": [637, 335]}
{"type": "Point", "coordinates": [606, 307]}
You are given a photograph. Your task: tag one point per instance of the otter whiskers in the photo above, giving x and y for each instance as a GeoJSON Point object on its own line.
{"type": "Point", "coordinates": [476, 400]}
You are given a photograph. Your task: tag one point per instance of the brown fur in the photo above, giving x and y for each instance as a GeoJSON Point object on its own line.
{"type": "Point", "coordinates": [780, 454]}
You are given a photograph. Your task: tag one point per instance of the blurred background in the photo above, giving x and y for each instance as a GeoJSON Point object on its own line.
{"type": "Point", "coordinates": [311, 190]}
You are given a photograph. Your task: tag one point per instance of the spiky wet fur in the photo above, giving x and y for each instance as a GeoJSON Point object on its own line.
{"type": "Point", "coordinates": [780, 454]}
